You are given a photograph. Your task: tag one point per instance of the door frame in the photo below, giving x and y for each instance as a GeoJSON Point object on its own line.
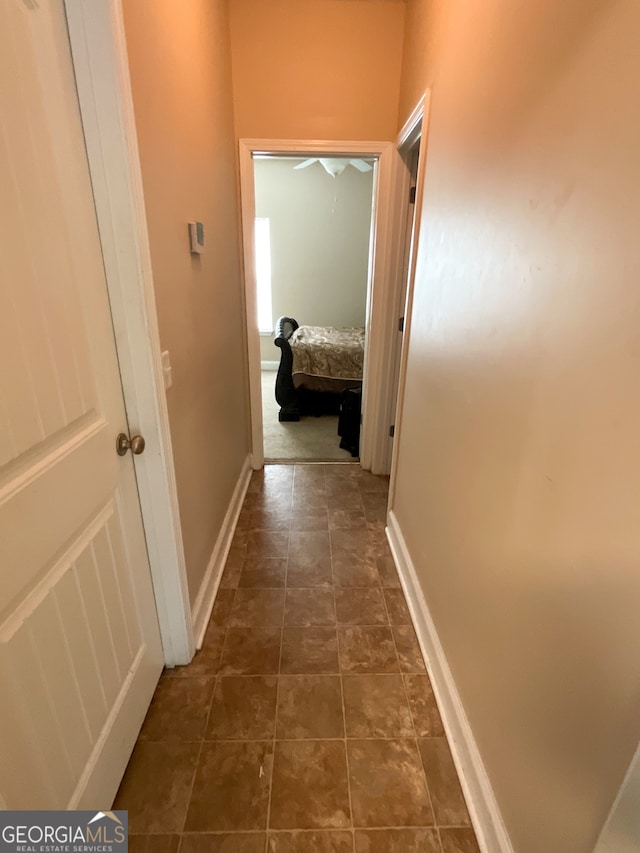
{"type": "Point", "coordinates": [374, 438]}
{"type": "Point", "coordinates": [99, 53]}
{"type": "Point", "coordinates": [414, 129]}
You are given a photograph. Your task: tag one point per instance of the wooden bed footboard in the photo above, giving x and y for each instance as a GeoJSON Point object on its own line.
{"type": "Point", "coordinates": [286, 394]}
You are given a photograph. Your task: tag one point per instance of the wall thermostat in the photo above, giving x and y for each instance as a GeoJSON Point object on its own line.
{"type": "Point", "coordinates": [196, 238]}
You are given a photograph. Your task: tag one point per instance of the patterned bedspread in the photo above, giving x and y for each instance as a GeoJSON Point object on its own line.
{"type": "Point", "coordinates": [326, 352]}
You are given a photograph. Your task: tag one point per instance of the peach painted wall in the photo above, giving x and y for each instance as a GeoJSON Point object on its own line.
{"type": "Point", "coordinates": [180, 64]}
{"type": "Point", "coordinates": [518, 487]}
{"type": "Point", "coordinates": [317, 69]}
{"type": "Point", "coordinates": [424, 22]}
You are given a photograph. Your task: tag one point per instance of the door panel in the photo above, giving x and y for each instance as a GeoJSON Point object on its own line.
{"type": "Point", "coordinates": [80, 650]}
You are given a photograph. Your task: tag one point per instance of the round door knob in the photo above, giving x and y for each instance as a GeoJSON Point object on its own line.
{"type": "Point", "coordinates": [124, 443]}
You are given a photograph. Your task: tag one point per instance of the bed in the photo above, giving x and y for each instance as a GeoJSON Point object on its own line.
{"type": "Point", "coordinates": [315, 360]}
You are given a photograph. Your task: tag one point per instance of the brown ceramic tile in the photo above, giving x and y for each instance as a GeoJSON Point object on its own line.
{"type": "Point", "coordinates": [240, 539]}
{"type": "Point", "coordinates": [360, 607]}
{"type": "Point", "coordinates": [387, 784]}
{"type": "Point", "coordinates": [376, 706]}
{"type": "Point", "coordinates": [314, 543]}
{"type": "Point", "coordinates": [309, 502]}
{"type": "Point", "coordinates": [154, 843]}
{"type": "Point", "coordinates": [372, 482]}
{"type": "Point", "coordinates": [251, 651]}
{"type": "Point", "coordinates": [377, 533]}
{"type": "Point", "coordinates": [254, 500]}
{"type": "Point", "coordinates": [224, 842]}
{"type": "Point", "coordinates": [178, 710]}
{"type": "Point", "coordinates": [310, 842]}
{"type": "Point", "coordinates": [459, 840]}
{"type": "Point", "coordinates": [233, 568]}
{"type": "Point", "coordinates": [422, 702]}
{"type": "Point", "coordinates": [309, 785]}
{"type": "Point", "coordinates": [353, 558]}
{"type": "Point", "coordinates": [309, 706]}
{"type": "Point", "coordinates": [367, 650]}
{"type": "Point", "coordinates": [277, 481]}
{"type": "Point", "coordinates": [222, 607]}
{"type": "Point", "coordinates": [156, 786]}
{"type": "Point", "coordinates": [343, 495]}
{"type": "Point", "coordinates": [375, 503]}
{"type": "Point", "coordinates": [308, 476]}
{"type": "Point", "coordinates": [268, 543]}
{"type": "Point", "coordinates": [207, 660]}
{"type": "Point", "coordinates": [309, 520]}
{"type": "Point", "coordinates": [387, 570]}
{"type": "Point", "coordinates": [263, 573]}
{"type": "Point", "coordinates": [409, 653]}
{"type": "Point", "coordinates": [309, 560]}
{"type": "Point", "coordinates": [255, 608]}
{"type": "Point", "coordinates": [256, 482]}
{"type": "Point", "coordinates": [312, 494]}
{"type": "Point", "coordinates": [309, 651]}
{"type": "Point", "coordinates": [397, 607]}
{"type": "Point", "coordinates": [231, 788]}
{"type": "Point", "coordinates": [446, 794]}
{"type": "Point", "coordinates": [309, 607]}
{"type": "Point", "coordinates": [243, 708]}
{"type": "Point", "coordinates": [397, 841]}
{"type": "Point", "coordinates": [377, 515]}
{"type": "Point", "coordinates": [254, 491]}
{"type": "Point", "coordinates": [303, 572]}
{"type": "Point", "coordinates": [271, 518]}
{"type": "Point", "coordinates": [346, 518]}
{"type": "Point", "coordinates": [378, 537]}
{"type": "Point", "coordinates": [340, 470]}
{"type": "Point", "coordinates": [244, 519]}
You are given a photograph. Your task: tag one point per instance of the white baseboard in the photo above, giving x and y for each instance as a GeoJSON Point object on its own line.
{"type": "Point", "coordinates": [209, 587]}
{"type": "Point", "coordinates": [483, 808]}
{"type": "Point", "coordinates": [269, 365]}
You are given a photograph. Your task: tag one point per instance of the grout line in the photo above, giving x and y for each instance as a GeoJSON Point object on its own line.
{"type": "Point", "coordinates": [275, 716]}
{"type": "Point", "coordinates": [192, 786]}
{"type": "Point", "coordinates": [344, 710]}
{"type": "Point", "coordinates": [298, 739]}
{"type": "Point", "coordinates": [296, 831]}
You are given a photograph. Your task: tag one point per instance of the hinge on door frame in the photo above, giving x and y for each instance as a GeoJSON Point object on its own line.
{"type": "Point", "coordinates": [412, 195]}
{"type": "Point", "coordinates": [392, 430]}
{"type": "Point", "coordinates": [401, 324]}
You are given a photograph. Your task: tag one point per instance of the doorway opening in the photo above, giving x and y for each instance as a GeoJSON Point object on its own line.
{"type": "Point", "coordinates": [410, 189]}
{"type": "Point", "coordinates": [339, 164]}
{"type": "Point", "coordinates": [312, 260]}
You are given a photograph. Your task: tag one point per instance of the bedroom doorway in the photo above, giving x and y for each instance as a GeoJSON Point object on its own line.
{"type": "Point", "coordinates": [312, 438]}
{"type": "Point", "coordinates": [312, 260]}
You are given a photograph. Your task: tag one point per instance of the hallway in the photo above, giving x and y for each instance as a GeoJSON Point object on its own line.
{"type": "Point", "coordinates": [307, 721]}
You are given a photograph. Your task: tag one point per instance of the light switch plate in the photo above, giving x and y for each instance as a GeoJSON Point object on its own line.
{"type": "Point", "coordinates": [196, 238]}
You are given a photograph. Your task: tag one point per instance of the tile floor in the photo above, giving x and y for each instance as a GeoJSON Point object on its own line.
{"type": "Point", "coordinates": [307, 721]}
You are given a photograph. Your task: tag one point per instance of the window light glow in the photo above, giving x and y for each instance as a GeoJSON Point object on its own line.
{"type": "Point", "coordinates": [263, 274]}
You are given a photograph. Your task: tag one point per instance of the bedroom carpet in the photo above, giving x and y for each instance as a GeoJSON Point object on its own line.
{"type": "Point", "coordinates": [309, 440]}
{"type": "Point", "coordinates": [307, 722]}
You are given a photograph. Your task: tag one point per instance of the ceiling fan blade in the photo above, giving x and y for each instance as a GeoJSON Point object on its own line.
{"type": "Point", "coordinates": [306, 163]}
{"type": "Point", "coordinates": [361, 165]}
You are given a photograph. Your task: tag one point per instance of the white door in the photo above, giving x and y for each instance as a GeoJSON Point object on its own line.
{"type": "Point", "coordinates": [80, 650]}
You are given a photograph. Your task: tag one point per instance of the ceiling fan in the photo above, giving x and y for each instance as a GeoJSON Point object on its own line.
{"type": "Point", "coordinates": [336, 165]}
